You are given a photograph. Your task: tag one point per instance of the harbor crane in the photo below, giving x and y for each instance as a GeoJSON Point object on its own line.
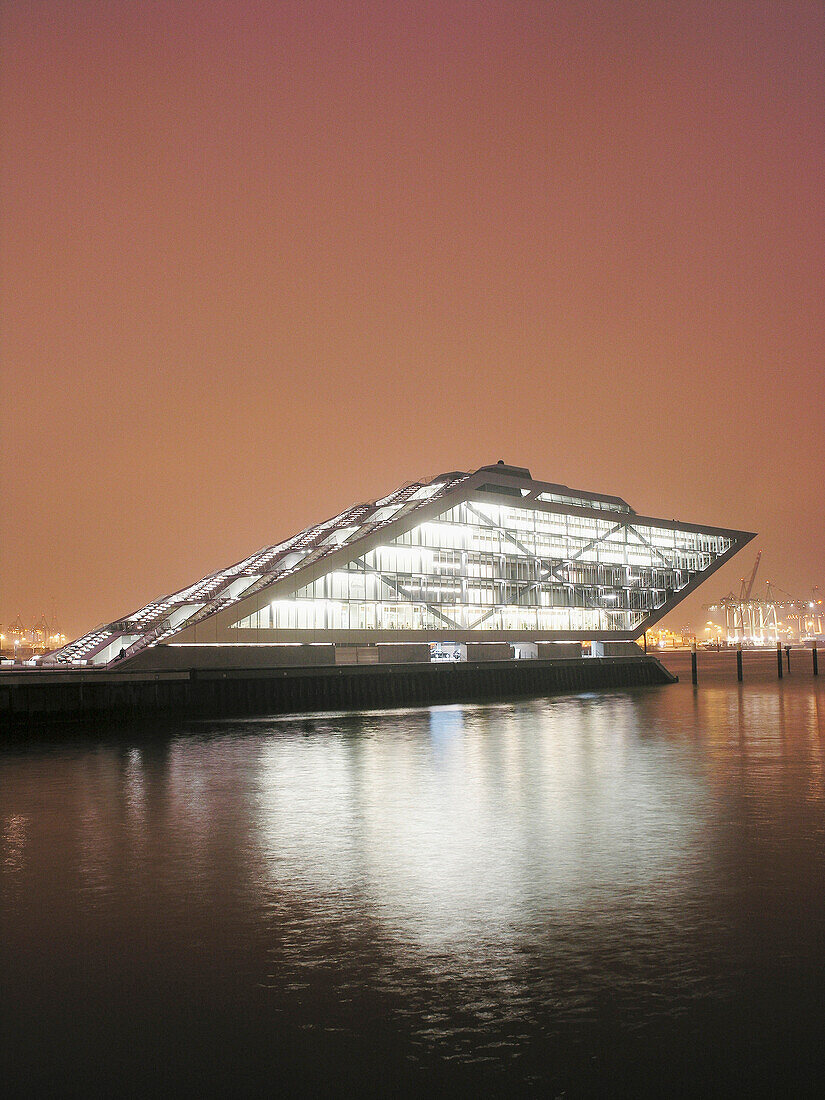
{"type": "Point", "coordinates": [748, 619]}
{"type": "Point", "coordinates": [745, 593]}
{"type": "Point", "coordinates": [751, 619]}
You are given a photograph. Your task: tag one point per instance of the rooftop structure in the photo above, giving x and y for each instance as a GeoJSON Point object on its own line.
{"type": "Point", "coordinates": [491, 555]}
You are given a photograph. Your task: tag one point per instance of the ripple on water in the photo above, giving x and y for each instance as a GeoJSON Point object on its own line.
{"type": "Point", "coordinates": [550, 885]}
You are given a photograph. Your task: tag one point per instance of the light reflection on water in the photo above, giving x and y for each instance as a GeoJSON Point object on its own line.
{"type": "Point", "coordinates": [458, 829]}
{"type": "Point", "coordinates": [495, 886]}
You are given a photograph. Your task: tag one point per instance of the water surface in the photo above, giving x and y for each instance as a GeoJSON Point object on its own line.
{"type": "Point", "coordinates": [613, 893]}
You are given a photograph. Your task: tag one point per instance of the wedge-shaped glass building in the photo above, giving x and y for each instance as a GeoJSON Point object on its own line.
{"type": "Point", "coordinates": [486, 556]}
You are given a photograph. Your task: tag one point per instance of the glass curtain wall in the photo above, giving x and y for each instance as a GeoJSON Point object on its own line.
{"type": "Point", "coordinates": [487, 566]}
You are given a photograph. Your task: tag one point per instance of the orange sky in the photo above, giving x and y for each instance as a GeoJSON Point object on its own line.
{"type": "Point", "coordinates": [263, 260]}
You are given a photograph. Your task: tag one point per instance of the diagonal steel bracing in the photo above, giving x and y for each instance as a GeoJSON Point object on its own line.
{"type": "Point", "coordinates": [545, 575]}
{"type": "Point", "coordinates": [399, 588]}
{"type": "Point", "coordinates": [654, 549]}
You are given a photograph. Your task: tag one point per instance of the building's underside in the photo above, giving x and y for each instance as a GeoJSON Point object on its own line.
{"type": "Point", "coordinates": [489, 556]}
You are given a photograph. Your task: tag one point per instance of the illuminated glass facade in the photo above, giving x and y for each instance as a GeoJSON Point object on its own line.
{"type": "Point", "coordinates": [501, 567]}
{"type": "Point", "coordinates": [491, 555]}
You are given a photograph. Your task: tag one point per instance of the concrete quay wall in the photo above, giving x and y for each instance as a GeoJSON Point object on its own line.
{"type": "Point", "coordinates": [37, 696]}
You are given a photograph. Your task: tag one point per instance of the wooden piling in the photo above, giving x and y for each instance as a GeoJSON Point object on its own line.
{"type": "Point", "coordinates": [815, 660]}
{"type": "Point", "coordinates": [694, 668]}
{"type": "Point", "coordinates": [739, 663]}
{"type": "Point", "coordinates": [779, 659]}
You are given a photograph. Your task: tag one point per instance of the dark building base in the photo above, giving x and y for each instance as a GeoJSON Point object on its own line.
{"type": "Point", "coordinates": [36, 697]}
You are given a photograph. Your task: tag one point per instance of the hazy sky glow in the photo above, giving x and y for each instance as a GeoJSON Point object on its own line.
{"type": "Point", "coordinates": [263, 260]}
